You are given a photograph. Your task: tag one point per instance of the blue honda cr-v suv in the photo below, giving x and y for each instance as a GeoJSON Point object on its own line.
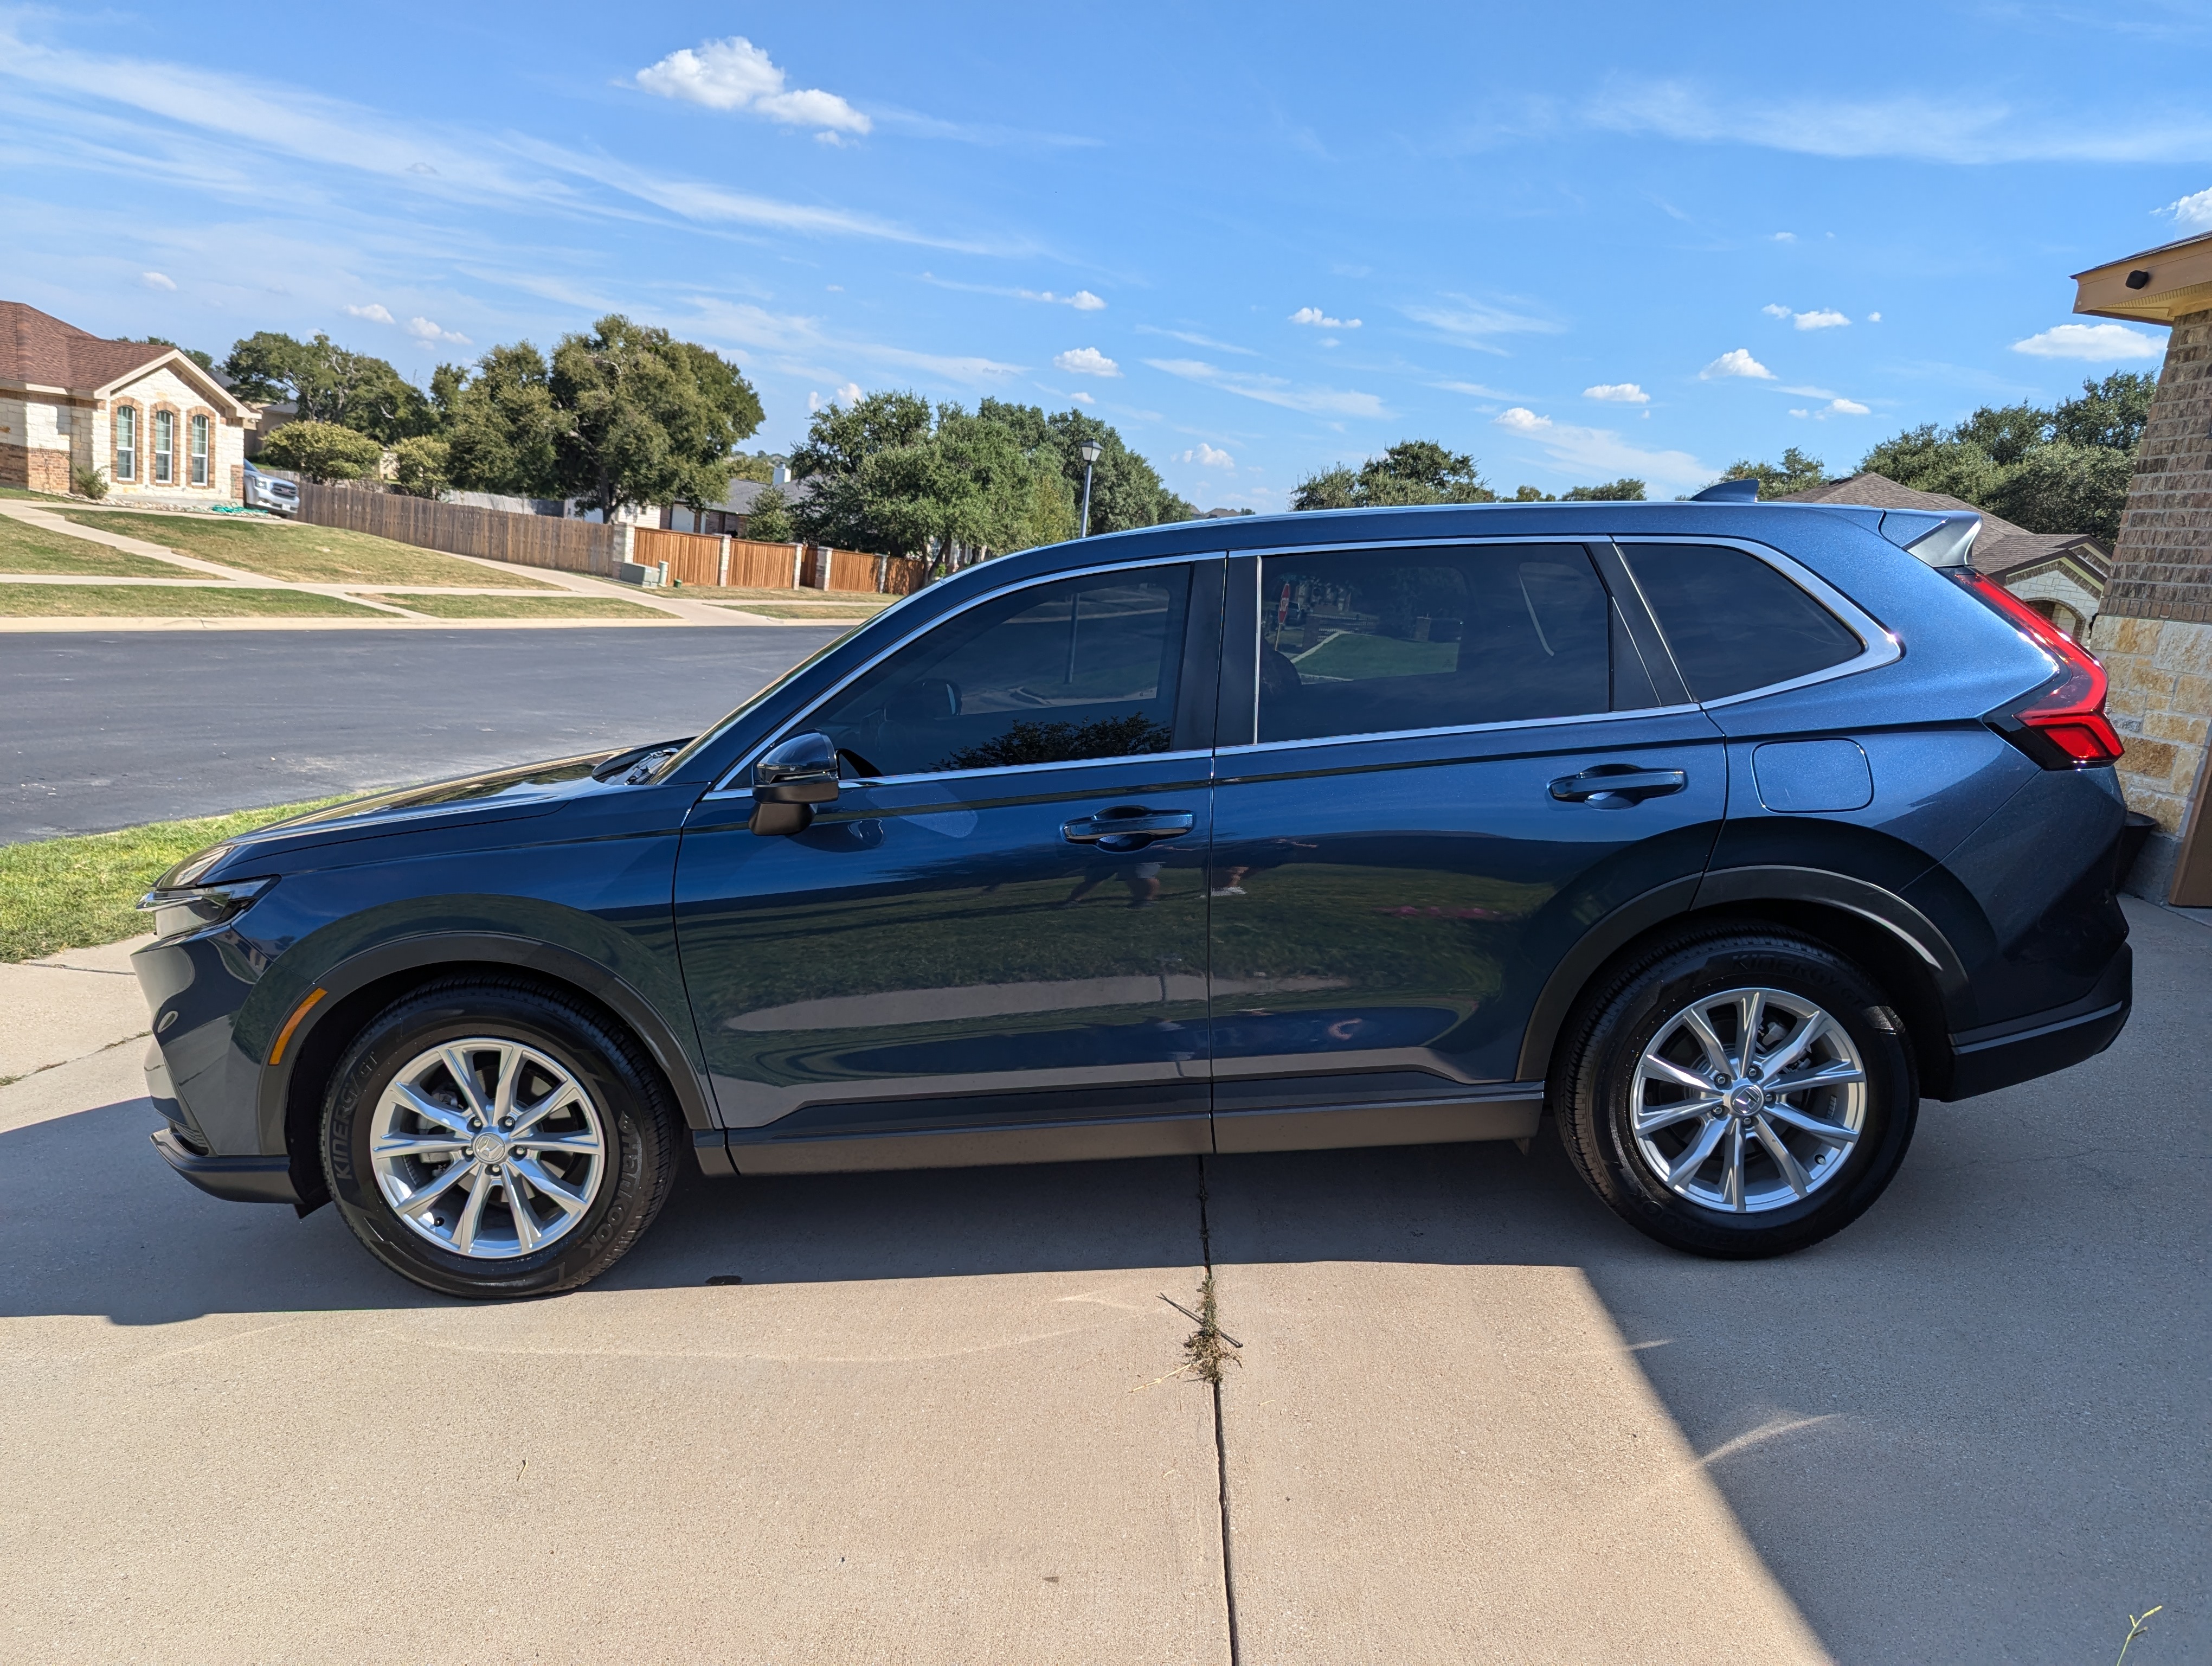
{"type": "Point", "coordinates": [1724, 831]}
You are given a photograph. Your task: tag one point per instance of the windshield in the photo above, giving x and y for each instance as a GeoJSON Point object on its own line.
{"type": "Point", "coordinates": [753, 704]}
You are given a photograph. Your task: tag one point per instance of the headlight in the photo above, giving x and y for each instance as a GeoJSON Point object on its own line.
{"type": "Point", "coordinates": [177, 908]}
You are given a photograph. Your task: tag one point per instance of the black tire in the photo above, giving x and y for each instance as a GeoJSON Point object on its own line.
{"type": "Point", "coordinates": [638, 1122]}
{"type": "Point", "coordinates": [1595, 1069]}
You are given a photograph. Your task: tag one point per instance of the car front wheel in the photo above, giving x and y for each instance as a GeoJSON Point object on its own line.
{"type": "Point", "coordinates": [1737, 1093]}
{"type": "Point", "coordinates": [493, 1139]}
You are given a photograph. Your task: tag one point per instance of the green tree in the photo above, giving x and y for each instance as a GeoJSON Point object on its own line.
{"type": "Point", "coordinates": [2109, 414]}
{"type": "Point", "coordinates": [418, 466]}
{"type": "Point", "coordinates": [1796, 473]}
{"type": "Point", "coordinates": [1410, 472]}
{"type": "Point", "coordinates": [502, 429]}
{"type": "Point", "coordinates": [202, 360]}
{"type": "Point", "coordinates": [1626, 489]}
{"type": "Point", "coordinates": [759, 465]}
{"type": "Point", "coordinates": [322, 451]}
{"type": "Point", "coordinates": [329, 384]}
{"type": "Point", "coordinates": [1125, 491]}
{"type": "Point", "coordinates": [769, 520]}
{"type": "Point", "coordinates": [2060, 487]}
{"type": "Point", "coordinates": [646, 418]}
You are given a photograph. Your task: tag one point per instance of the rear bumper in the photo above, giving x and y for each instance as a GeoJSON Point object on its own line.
{"type": "Point", "coordinates": [237, 1179]}
{"type": "Point", "coordinates": [2019, 1050]}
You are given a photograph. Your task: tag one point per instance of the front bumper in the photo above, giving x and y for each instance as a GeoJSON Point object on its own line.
{"type": "Point", "coordinates": [236, 1179]}
{"type": "Point", "coordinates": [2021, 1049]}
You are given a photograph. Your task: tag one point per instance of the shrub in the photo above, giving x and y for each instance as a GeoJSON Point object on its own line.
{"type": "Point", "coordinates": [767, 522]}
{"type": "Point", "coordinates": [322, 451]}
{"type": "Point", "coordinates": [90, 483]}
{"type": "Point", "coordinates": [419, 466]}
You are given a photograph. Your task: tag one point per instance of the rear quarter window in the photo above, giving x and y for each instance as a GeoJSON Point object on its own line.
{"type": "Point", "coordinates": [1734, 623]}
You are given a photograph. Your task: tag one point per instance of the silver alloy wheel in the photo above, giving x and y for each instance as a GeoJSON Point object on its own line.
{"type": "Point", "coordinates": [1748, 1100]}
{"type": "Point", "coordinates": [488, 1148]}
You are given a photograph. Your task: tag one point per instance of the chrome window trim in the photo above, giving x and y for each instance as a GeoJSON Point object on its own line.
{"type": "Point", "coordinates": [724, 789]}
{"type": "Point", "coordinates": [1882, 645]}
{"type": "Point", "coordinates": [994, 771]}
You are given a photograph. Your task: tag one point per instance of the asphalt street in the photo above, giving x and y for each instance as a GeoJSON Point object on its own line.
{"type": "Point", "coordinates": [102, 731]}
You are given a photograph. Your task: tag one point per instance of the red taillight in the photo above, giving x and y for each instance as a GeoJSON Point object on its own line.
{"type": "Point", "coordinates": [2070, 714]}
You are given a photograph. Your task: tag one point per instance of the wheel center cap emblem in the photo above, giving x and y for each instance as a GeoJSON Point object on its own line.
{"type": "Point", "coordinates": [1747, 1098]}
{"type": "Point", "coordinates": [488, 1148]}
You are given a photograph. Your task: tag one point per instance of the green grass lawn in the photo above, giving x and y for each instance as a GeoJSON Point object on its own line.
{"type": "Point", "coordinates": [1361, 657]}
{"type": "Point", "coordinates": [169, 601]}
{"type": "Point", "coordinates": [25, 549]}
{"type": "Point", "coordinates": [304, 555]}
{"type": "Point", "coordinates": [74, 893]}
{"type": "Point", "coordinates": [36, 497]}
{"type": "Point", "coordinates": [792, 611]}
{"type": "Point", "coordinates": [449, 605]}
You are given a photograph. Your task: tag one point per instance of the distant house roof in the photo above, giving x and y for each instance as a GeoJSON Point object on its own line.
{"type": "Point", "coordinates": [2001, 550]}
{"type": "Point", "coordinates": [37, 350]}
{"type": "Point", "coordinates": [1879, 491]}
{"type": "Point", "coordinates": [744, 494]}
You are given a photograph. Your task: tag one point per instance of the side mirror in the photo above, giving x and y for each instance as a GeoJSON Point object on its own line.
{"type": "Point", "coordinates": [790, 781]}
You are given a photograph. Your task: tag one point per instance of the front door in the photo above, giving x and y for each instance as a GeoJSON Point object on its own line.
{"type": "Point", "coordinates": [1453, 759]}
{"type": "Point", "coordinates": [991, 946]}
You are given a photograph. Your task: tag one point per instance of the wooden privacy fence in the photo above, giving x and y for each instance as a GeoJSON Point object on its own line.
{"type": "Point", "coordinates": [572, 546]}
{"type": "Point", "coordinates": [700, 559]}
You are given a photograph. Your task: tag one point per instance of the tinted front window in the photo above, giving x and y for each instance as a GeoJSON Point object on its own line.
{"type": "Point", "coordinates": [1366, 641]}
{"type": "Point", "coordinates": [1733, 622]}
{"type": "Point", "coordinates": [1081, 669]}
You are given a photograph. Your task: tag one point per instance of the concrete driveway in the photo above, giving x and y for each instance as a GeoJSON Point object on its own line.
{"type": "Point", "coordinates": [940, 1419]}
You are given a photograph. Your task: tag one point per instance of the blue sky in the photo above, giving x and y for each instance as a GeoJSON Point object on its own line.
{"type": "Point", "coordinates": [1578, 240]}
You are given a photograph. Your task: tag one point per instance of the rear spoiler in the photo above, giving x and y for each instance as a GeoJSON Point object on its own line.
{"type": "Point", "coordinates": [1943, 541]}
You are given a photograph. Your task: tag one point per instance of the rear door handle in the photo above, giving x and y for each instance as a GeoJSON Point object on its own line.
{"type": "Point", "coordinates": [1611, 789]}
{"type": "Point", "coordinates": [1130, 827]}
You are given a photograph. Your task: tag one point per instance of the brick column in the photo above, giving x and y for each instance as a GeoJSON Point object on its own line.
{"type": "Point", "coordinates": [2155, 632]}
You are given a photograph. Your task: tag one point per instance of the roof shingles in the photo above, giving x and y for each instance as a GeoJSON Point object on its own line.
{"type": "Point", "coordinates": [37, 349]}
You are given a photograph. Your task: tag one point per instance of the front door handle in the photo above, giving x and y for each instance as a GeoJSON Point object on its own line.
{"type": "Point", "coordinates": [1613, 787]}
{"type": "Point", "coordinates": [1127, 828]}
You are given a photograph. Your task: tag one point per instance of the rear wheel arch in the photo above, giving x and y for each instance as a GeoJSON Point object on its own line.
{"type": "Point", "coordinates": [360, 988]}
{"type": "Point", "coordinates": [1897, 946]}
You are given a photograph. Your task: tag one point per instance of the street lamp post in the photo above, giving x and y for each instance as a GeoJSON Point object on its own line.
{"type": "Point", "coordinates": [1088, 450]}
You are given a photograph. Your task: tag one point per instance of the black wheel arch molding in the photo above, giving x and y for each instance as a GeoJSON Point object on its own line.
{"type": "Point", "coordinates": [290, 1099]}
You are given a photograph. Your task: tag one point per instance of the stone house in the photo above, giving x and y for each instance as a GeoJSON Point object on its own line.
{"type": "Point", "coordinates": [2154, 635]}
{"type": "Point", "coordinates": [2062, 576]}
{"type": "Point", "coordinates": [155, 424]}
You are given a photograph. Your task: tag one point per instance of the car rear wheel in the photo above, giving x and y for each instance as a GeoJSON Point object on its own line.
{"type": "Point", "coordinates": [493, 1139]}
{"type": "Point", "coordinates": [1736, 1093]}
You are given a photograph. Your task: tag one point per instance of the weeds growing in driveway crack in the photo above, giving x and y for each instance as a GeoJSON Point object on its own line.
{"type": "Point", "coordinates": [1206, 1349]}
{"type": "Point", "coordinates": [2138, 1626]}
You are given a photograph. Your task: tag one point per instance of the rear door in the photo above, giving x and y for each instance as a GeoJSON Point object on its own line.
{"type": "Point", "coordinates": [991, 946]}
{"type": "Point", "coordinates": [1440, 764]}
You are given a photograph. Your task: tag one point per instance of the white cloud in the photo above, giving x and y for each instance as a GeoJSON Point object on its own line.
{"type": "Point", "coordinates": [1824, 318]}
{"type": "Point", "coordinates": [850, 394]}
{"type": "Point", "coordinates": [1785, 237]}
{"type": "Point", "coordinates": [1321, 320]}
{"type": "Point", "coordinates": [375, 313]}
{"type": "Point", "coordinates": [1471, 323]}
{"type": "Point", "coordinates": [1086, 362]}
{"type": "Point", "coordinates": [157, 280]}
{"type": "Point", "coordinates": [1965, 129]}
{"type": "Point", "coordinates": [1082, 399]}
{"type": "Point", "coordinates": [1208, 457]}
{"type": "Point", "coordinates": [2101, 342]}
{"type": "Point", "coordinates": [1873, 318]}
{"type": "Point", "coordinates": [1837, 406]}
{"type": "Point", "coordinates": [1197, 340]}
{"type": "Point", "coordinates": [1737, 362]}
{"type": "Point", "coordinates": [736, 75]}
{"type": "Point", "coordinates": [1472, 390]}
{"type": "Point", "coordinates": [1618, 393]}
{"type": "Point", "coordinates": [425, 331]}
{"type": "Point", "coordinates": [1601, 452]}
{"type": "Point", "coordinates": [1771, 310]}
{"type": "Point", "coordinates": [1274, 390]}
{"type": "Point", "coordinates": [2193, 212]}
{"type": "Point", "coordinates": [1083, 301]}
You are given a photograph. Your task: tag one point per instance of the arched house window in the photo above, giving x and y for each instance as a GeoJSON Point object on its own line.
{"type": "Point", "coordinates": [165, 448]}
{"type": "Point", "coordinates": [197, 449]}
{"type": "Point", "coordinates": [125, 466]}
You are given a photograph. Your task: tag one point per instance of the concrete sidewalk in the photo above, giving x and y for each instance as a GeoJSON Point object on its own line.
{"type": "Point", "coordinates": [941, 1418]}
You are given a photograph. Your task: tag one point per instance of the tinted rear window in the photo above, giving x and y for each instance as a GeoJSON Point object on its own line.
{"type": "Point", "coordinates": [1366, 642]}
{"type": "Point", "coordinates": [1734, 622]}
